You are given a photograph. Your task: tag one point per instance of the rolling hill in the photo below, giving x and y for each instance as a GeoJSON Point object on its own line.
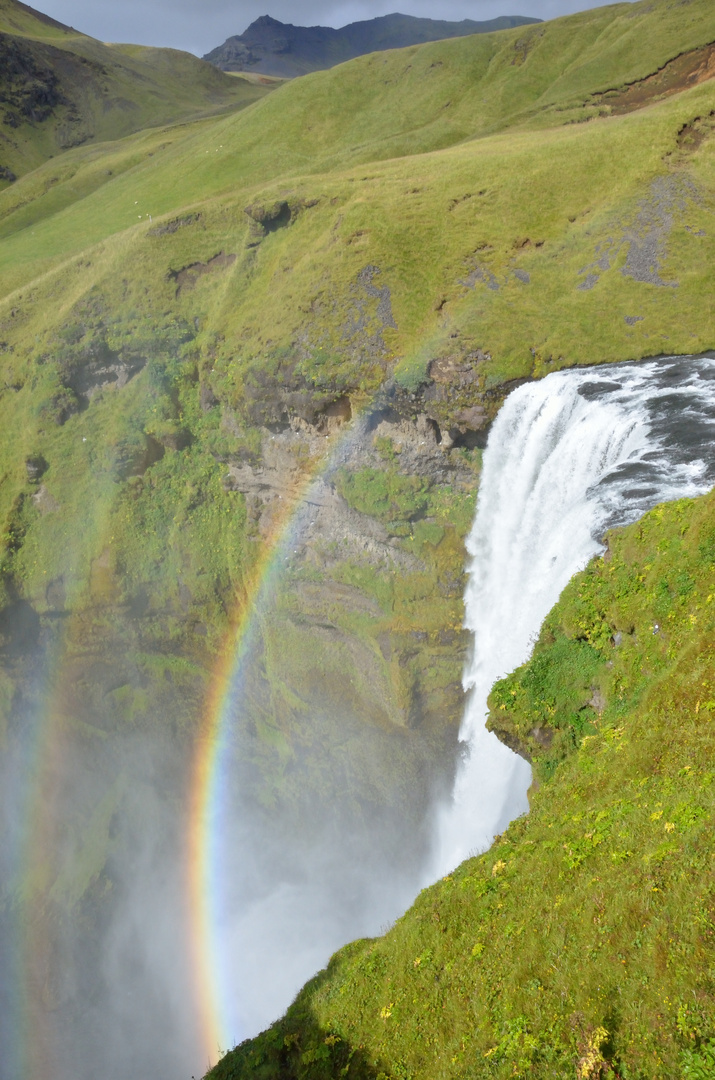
{"type": "Point", "coordinates": [60, 88]}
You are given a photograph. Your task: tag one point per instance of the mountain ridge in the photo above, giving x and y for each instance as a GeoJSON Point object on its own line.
{"type": "Point", "coordinates": [270, 47]}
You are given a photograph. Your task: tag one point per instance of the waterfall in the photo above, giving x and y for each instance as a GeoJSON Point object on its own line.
{"type": "Point", "coordinates": [568, 457]}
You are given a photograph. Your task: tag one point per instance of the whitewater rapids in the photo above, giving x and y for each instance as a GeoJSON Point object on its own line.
{"type": "Point", "coordinates": [567, 458]}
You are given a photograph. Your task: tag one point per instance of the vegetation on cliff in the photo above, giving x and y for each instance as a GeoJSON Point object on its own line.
{"type": "Point", "coordinates": [583, 941]}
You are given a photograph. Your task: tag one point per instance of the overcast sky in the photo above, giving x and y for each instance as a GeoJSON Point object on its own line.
{"type": "Point", "coordinates": [200, 25]}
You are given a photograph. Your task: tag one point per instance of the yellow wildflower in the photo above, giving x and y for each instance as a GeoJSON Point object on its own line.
{"type": "Point", "coordinates": [592, 1061]}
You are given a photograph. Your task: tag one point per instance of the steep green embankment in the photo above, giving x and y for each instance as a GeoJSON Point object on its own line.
{"type": "Point", "coordinates": [583, 942]}
{"type": "Point", "coordinates": [60, 88]}
{"type": "Point", "coordinates": [188, 312]}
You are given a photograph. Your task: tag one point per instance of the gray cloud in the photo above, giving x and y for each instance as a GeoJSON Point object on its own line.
{"type": "Point", "coordinates": [200, 25]}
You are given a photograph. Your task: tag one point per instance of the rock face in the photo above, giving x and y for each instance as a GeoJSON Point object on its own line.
{"type": "Point", "coordinates": [270, 47]}
{"type": "Point", "coordinates": [338, 551]}
{"type": "Point", "coordinates": [30, 86]}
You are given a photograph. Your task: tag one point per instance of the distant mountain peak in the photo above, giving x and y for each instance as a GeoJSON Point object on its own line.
{"type": "Point", "coordinates": [266, 20]}
{"type": "Point", "coordinates": [271, 47]}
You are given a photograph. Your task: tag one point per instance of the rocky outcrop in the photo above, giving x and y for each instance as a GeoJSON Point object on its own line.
{"type": "Point", "coordinates": [266, 218]}
{"type": "Point", "coordinates": [29, 87]}
{"type": "Point", "coordinates": [274, 482]}
{"type": "Point", "coordinates": [98, 368]}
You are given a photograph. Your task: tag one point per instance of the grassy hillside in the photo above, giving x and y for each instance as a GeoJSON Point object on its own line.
{"type": "Point", "coordinates": [60, 88]}
{"type": "Point", "coordinates": [514, 245]}
{"type": "Point", "coordinates": [187, 312]}
{"type": "Point", "coordinates": [582, 942]}
{"type": "Point", "coordinates": [392, 105]}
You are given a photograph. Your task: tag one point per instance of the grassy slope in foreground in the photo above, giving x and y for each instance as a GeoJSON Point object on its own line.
{"type": "Point", "coordinates": [60, 89]}
{"type": "Point", "coordinates": [414, 101]}
{"type": "Point", "coordinates": [583, 941]}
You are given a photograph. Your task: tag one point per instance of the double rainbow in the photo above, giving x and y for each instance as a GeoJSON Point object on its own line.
{"type": "Point", "coordinates": [209, 777]}
{"type": "Point", "coordinates": [42, 767]}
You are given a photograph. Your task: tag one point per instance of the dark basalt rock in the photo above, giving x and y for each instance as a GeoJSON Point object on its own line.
{"type": "Point", "coordinates": [134, 458]}
{"type": "Point", "coordinates": [19, 628]}
{"type": "Point", "coordinates": [179, 438]}
{"type": "Point", "coordinates": [174, 225]}
{"type": "Point", "coordinates": [266, 218]}
{"type": "Point", "coordinates": [28, 89]}
{"type": "Point", "coordinates": [36, 467]}
{"type": "Point", "coordinates": [187, 276]}
{"type": "Point", "coordinates": [207, 398]}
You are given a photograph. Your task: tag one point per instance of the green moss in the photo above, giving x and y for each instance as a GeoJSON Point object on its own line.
{"type": "Point", "coordinates": [386, 494]}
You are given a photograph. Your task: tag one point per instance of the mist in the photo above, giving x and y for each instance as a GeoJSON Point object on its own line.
{"type": "Point", "coordinates": [98, 927]}
{"type": "Point", "coordinates": [309, 849]}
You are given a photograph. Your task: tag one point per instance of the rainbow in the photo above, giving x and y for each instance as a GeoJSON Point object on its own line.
{"type": "Point", "coordinates": [44, 754]}
{"type": "Point", "coordinates": [202, 811]}
{"type": "Point", "coordinates": [206, 784]}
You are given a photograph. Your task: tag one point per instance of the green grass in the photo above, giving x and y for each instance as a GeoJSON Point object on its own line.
{"type": "Point", "coordinates": [407, 219]}
{"type": "Point", "coordinates": [330, 120]}
{"type": "Point", "coordinates": [582, 942]}
{"type": "Point", "coordinates": [100, 91]}
{"type": "Point", "coordinates": [21, 22]}
{"type": "Point", "coordinates": [85, 273]}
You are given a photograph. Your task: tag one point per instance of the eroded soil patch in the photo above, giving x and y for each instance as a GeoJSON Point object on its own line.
{"type": "Point", "coordinates": [646, 235]}
{"type": "Point", "coordinates": [686, 70]}
{"type": "Point", "coordinates": [187, 277]}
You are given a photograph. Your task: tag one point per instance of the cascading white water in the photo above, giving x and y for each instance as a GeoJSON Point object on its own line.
{"type": "Point", "coordinates": [578, 452]}
{"type": "Point", "coordinates": [567, 457]}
